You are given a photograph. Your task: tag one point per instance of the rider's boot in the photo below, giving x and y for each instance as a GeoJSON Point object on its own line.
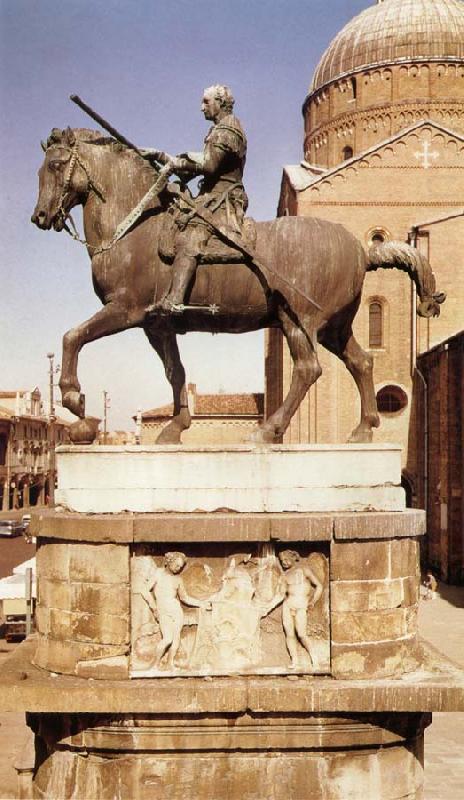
{"type": "Point", "coordinates": [183, 268]}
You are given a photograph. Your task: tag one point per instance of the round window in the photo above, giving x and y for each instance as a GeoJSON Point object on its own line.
{"type": "Point", "coordinates": [377, 236]}
{"type": "Point", "coordinates": [391, 399]}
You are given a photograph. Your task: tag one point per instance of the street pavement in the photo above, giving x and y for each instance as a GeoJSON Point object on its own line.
{"type": "Point", "coordinates": [441, 621]}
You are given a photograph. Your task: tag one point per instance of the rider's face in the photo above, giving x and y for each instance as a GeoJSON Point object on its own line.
{"type": "Point", "coordinates": [210, 106]}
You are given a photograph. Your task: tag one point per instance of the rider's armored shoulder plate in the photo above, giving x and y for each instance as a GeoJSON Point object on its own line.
{"type": "Point", "coordinates": [229, 135]}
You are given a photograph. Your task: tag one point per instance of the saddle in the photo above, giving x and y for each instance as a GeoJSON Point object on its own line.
{"type": "Point", "coordinates": [216, 252]}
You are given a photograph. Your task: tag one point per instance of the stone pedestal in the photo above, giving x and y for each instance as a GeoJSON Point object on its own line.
{"type": "Point", "coordinates": [288, 757]}
{"type": "Point", "coordinates": [199, 642]}
{"type": "Point", "coordinates": [243, 478]}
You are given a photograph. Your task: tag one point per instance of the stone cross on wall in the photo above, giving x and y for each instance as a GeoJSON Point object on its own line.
{"type": "Point", "coordinates": [426, 154]}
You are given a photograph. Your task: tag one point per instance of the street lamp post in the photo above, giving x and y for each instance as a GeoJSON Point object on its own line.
{"type": "Point", "coordinates": [106, 405]}
{"type": "Point", "coordinates": [51, 432]}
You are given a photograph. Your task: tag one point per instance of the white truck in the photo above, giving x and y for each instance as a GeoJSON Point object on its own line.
{"type": "Point", "coordinates": [17, 599]}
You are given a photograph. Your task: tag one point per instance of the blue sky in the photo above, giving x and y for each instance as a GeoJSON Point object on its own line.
{"type": "Point", "coordinates": [143, 65]}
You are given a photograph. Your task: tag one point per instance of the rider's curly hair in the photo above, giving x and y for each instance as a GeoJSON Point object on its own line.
{"type": "Point", "coordinates": [223, 94]}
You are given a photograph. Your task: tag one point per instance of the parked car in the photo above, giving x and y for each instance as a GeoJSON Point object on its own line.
{"type": "Point", "coordinates": [11, 527]}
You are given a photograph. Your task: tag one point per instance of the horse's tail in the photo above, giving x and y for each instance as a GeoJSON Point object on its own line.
{"type": "Point", "coordinates": [399, 255]}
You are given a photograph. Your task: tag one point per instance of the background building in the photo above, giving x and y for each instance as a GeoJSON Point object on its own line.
{"type": "Point", "coordinates": [216, 418]}
{"type": "Point", "coordinates": [25, 448]}
{"type": "Point", "coordinates": [437, 426]}
{"type": "Point", "coordinates": [384, 156]}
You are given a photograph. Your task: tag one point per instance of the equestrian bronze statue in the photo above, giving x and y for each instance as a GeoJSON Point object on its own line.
{"type": "Point", "coordinates": [169, 263]}
{"type": "Point", "coordinates": [222, 194]}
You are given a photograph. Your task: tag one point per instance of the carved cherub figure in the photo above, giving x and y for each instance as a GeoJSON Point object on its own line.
{"type": "Point", "coordinates": [296, 588]}
{"type": "Point", "coordinates": [169, 592]}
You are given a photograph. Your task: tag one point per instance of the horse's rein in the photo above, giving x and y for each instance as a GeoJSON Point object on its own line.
{"type": "Point", "coordinates": [64, 215]}
{"type": "Point", "coordinates": [124, 226]}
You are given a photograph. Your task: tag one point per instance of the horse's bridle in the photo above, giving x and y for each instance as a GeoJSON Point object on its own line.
{"type": "Point", "coordinates": [63, 215]}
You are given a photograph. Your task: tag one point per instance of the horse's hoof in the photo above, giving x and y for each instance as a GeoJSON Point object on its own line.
{"type": "Point", "coordinates": [75, 403]}
{"type": "Point", "coordinates": [264, 436]}
{"type": "Point", "coordinates": [84, 431]}
{"type": "Point", "coordinates": [170, 435]}
{"type": "Point", "coordinates": [361, 435]}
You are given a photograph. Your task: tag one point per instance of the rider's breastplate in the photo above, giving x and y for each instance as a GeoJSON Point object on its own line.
{"type": "Point", "coordinates": [229, 137]}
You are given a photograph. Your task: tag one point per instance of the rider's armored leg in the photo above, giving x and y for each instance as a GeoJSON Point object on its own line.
{"type": "Point", "coordinates": [189, 246]}
{"type": "Point", "coordinates": [183, 270]}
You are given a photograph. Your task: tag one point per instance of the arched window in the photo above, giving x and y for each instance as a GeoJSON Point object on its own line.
{"type": "Point", "coordinates": [375, 324]}
{"type": "Point", "coordinates": [391, 399]}
{"type": "Point", "coordinates": [347, 153]}
{"type": "Point", "coordinates": [353, 87]}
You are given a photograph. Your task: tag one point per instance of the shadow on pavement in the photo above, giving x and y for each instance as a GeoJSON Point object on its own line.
{"type": "Point", "coordinates": [452, 594]}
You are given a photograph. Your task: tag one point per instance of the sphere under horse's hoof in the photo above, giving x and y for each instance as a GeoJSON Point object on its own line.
{"type": "Point", "coordinates": [84, 431]}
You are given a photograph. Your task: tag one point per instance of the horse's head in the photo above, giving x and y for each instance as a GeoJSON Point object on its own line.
{"type": "Point", "coordinates": [63, 180]}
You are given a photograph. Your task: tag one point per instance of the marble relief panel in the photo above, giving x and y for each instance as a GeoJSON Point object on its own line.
{"type": "Point", "coordinates": [220, 609]}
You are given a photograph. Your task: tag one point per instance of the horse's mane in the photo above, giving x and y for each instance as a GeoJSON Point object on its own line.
{"type": "Point", "coordinates": [89, 136]}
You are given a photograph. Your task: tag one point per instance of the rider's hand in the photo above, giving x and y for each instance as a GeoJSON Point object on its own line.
{"type": "Point", "coordinates": [154, 156]}
{"type": "Point", "coordinates": [167, 169]}
{"type": "Point", "coordinates": [178, 166]}
{"type": "Point", "coordinates": [178, 163]}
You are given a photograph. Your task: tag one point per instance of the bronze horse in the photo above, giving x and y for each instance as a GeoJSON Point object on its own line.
{"type": "Point", "coordinates": [321, 259]}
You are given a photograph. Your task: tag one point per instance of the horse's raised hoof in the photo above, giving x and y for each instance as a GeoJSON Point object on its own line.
{"type": "Point", "coordinates": [75, 403]}
{"type": "Point", "coordinates": [84, 431]}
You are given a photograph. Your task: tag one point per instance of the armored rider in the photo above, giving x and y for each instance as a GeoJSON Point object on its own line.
{"type": "Point", "coordinates": [221, 193]}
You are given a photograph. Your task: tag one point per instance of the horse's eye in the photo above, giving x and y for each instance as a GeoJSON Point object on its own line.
{"type": "Point", "coordinates": [55, 165]}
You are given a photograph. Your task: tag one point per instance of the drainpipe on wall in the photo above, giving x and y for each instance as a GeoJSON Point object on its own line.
{"type": "Point", "coordinates": [415, 370]}
{"type": "Point", "coordinates": [412, 240]}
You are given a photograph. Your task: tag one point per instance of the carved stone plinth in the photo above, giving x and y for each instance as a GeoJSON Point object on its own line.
{"type": "Point", "coordinates": [231, 653]}
{"type": "Point", "coordinates": [293, 756]}
{"type": "Point", "coordinates": [97, 574]}
{"type": "Point", "coordinates": [244, 478]}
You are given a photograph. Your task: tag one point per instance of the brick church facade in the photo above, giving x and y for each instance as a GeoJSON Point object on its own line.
{"type": "Point", "coordinates": [384, 156]}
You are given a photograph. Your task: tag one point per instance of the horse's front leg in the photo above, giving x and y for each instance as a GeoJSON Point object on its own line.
{"type": "Point", "coordinates": [112, 318]}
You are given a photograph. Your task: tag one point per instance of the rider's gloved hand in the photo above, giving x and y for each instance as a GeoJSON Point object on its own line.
{"type": "Point", "coordinates": [155, 156]}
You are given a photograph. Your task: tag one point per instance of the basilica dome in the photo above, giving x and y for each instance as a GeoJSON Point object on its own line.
{"type": "Point", "coordinates": [392, 32]}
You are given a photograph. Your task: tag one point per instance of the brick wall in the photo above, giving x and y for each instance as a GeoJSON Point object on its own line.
{"type": "Point", "coordinates": [440, 443]}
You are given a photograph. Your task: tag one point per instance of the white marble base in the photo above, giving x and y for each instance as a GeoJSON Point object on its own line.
{"type": "Point", "coordinates": [245, 478]}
